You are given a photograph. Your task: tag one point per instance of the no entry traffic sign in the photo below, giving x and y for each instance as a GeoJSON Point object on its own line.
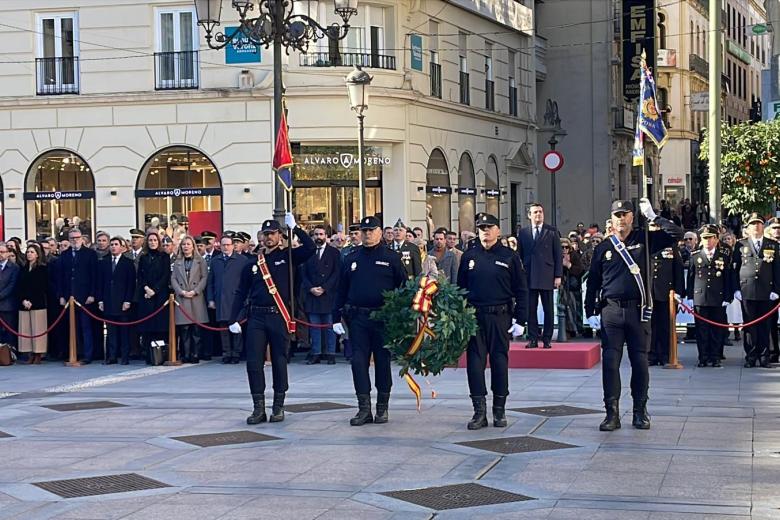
{"type": "Point", "coordinates": [553, 161]}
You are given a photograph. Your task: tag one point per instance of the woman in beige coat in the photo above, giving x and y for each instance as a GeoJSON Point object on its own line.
{"type": "Point", "coordinates": [189, 274]}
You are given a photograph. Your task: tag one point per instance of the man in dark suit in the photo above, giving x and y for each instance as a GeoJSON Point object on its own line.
{"type": "Point", "coordinates": [540, 249]}
{"type": "Point", "coordinates": [9, 302]}
{"type": "Point", "coordinates": [77, 269]}
{"type": "Point", "coordinates": [136, 246]}
{"type": "Point", "coordinates": [224, 277]}
{"type": "Point", "coordinates": [409, 253]}
{"type": "Point", "coordinates": [319, 285]}
{"type": "Point", "coordinates": [115, 290]}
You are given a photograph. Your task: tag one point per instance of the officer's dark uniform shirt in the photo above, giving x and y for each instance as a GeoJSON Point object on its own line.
{"type": "Point", "coordinates": [710, 282]}
{"type": "Point", "coordinates": [757, 274]}
{"type": "Point", "coordinates": [494, 277]}
{"type": "Point", "coordinates": [410, 257]}
{"type": "Point", "coordinates": [252, 285]}
{"type": "Point", "coordinates": [609, 274]}
{"type": "Point", "coordinates": [369, 271]}
{"type": "Point", "coordinates": [668, 274]}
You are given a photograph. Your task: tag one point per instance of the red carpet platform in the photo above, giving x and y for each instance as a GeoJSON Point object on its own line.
{"type": "Point", "coordinates": [561, 355]}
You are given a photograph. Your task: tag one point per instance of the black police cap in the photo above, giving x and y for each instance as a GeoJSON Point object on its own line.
{"type": "Point", "coordinates": [354, 227]}
{"type": "Point", "coordinates": [198, 240]}
{"type": "Point", "coordinates": [486, 220]}
{"type": "Point", "coordinates": [622, 206]}
{"type": "Point", "coordinates": [244, 235]}
{"type": "Point", "coordinates": [371, 223]}
{"type": "Point", "coordinates": [270, 225]}
{"type": "Point", "coordinates": [208, 235]}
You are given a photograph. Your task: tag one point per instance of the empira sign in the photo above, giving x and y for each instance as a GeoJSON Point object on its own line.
{"type": "Point", "coordinates": [637, 35]}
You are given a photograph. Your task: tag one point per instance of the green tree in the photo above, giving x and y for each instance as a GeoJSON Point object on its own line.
{"type": "Point", "coordinates": [750, 166]}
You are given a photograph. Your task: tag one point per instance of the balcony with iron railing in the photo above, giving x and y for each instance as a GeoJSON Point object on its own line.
{"type": "Point", "coordinates": [176, 70]}
{"type": "Point", "coordinates": [436, 80]}
{"type": "Point", "coordinates": [465, 90]}
{"type": "Point", "coordinates": [369, 60]}
{"type": "Point", "coordinates": [56, 76]}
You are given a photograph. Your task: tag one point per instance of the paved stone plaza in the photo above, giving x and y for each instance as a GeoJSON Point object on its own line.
{"type": "Point", "coordinates": [713, 451]}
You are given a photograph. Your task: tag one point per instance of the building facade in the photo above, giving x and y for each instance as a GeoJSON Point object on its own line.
{"type": "Point", "coordinates": [114, 114]}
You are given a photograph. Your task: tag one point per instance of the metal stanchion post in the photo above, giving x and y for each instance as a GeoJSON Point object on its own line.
{"type": "Point", "coordinates": [73, 360]}
{"type": "Point", "coordinates": [673, 362]}
{"type": "Point", "coordinates": [172, 361]}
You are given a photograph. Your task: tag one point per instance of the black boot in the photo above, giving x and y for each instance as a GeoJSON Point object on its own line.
{"type": "Point", "coordinates": [382, 399]}
{"type": "Point", "coordinates": [258, 414]}
{"type": "Point", "coordinates": [277, 412]}
{"type": "Point", "coordinates": [314, 360]}
{"type": "Point", "coordinates": [612, 421]}
{"type": "Point", "coordinates": [499, 417]}
{"type": "Point", "coordinates": [641, 418]}
{"type": "Point", "coordinates": [363, 415]}
{"type": "Point", "coordinates": [479, 420]}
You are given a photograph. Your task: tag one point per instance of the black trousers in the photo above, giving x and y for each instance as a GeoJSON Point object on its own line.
{"type": "Point", "coordinates": [210, 341]}
{"type": "Point", "coordinates": [117, 340]}
{"type": "Point", "coordinates": [189, 341]}
{"type": "Point", "coordinates": [366, 336]}
{"type": "Point", "coordinates": [533, 323]}
{"type": "Point", "coordinates": [231, 343]}
{"type": "Point", "coordinates": [709, 338]}
{"type": "Point", "coordinates": [659, 336]}
{"type": "Point", "coordinates": [11, 318]}
{"type": "Point", "coordinates": [264, 329]}
{"type": "Point", "coordinates": [756, 337]}
{"type": "Point", "coordinates": [774, 351]}
{"type": "Point", "coordinates": [491, 340]}
{"type": "Point", "coordinates": [621, 323]}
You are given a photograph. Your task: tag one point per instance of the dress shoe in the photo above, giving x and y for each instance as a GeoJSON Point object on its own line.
{"type": "Point", "coordinates": [206, 358]}
{"type": "Point", "coordinates": [701, 364]}
{"type": "Point", "coordinates": [716, 364]}
{"type": "Point", "coordinates": [765, 363]}
{"type": "Point", "coordinates": [314, 360]}
{"type": "Point", "coordinates": [547, 345]}
{"type": "Point", "coordinates": [125, 362]}
{"type": "Point", "coordinates": [235, 361]}
{"type": "Point", "coordinates": [749, 364]}
{"type": "Point", "coordinates": [85, 361]}
{"type": "Point", "coordinates": [194, 361]}
{"type": "Point", "coordinates": [110, 362]}
{"type": "Point", "coordinates": [331, 359]}
{"type": "Point", "coordinates": [226, 360]}
{"type": "Point", "coordinates": [532, 344]}
{"type": "Point", "coordinates": [728, 343]}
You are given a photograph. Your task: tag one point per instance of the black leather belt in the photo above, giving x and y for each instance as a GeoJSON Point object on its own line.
{"type": "Point", "coordinates": [264, 309]}
{"type": "Point", "coordinates": [493, 309]}
{"type": "Point", "coordinates": [624, 304]}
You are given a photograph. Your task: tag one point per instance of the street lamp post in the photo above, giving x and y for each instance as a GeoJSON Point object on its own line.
{"type": "Point", "coordinates": [277, 24]}
{"type": "Point", "coordinates": [358, 82]}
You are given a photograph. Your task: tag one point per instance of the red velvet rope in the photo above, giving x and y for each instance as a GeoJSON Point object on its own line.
{"type": "Point", "coordinates": [35, 336]}
{"type": "Point", "coordinates": [726, 325]}
{"type": "Point", "coordinates": [122, 323]}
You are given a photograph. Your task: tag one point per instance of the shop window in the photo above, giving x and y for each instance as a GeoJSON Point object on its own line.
{"type": "Point", "coordinates": [438, 195]}
{"type": "Point", "coordinates": [492, 191]}
{"type": "Point", "coordinates": [326, 184]}
{"type": "Point", "coordinates": [466, 194]}
{"type": "Point", "coordinates": [179, 191]}
{"type": "Point", "coordinates": [59, 193]}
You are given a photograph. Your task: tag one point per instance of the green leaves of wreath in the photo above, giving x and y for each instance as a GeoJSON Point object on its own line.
{"type": "Point", "coordinates": [450, 318]}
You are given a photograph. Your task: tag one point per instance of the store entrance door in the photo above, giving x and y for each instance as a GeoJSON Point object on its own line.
{"type": "Point", "coordinates": [333, 206]}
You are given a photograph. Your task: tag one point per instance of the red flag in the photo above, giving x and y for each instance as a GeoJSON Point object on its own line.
{"type": "Point", "coordinates": [283, 159]}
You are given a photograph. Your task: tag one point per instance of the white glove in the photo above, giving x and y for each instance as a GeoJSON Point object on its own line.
{"type": "Point", "coordinates": [647, 209]}
{"type": "Point", "coordinates": [738, 295]}
{"type": "Point", "coordinates": [594, 322]}
{"type": "Point", "coordinates": [338, 328]}
{"type": "Point", "coordinates": [773, 296]}
{"type": "Point", "coordinates": [289, 220]}
{"type": "Point", "coordinates": [235, 328]}
{"type": "Point", "coordinates": [516, 329]}
{"type": "Point", "coordinates": [725, 304]}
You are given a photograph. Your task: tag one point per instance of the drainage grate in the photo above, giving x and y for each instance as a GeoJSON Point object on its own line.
{"type": "Point", "coordinates": [208, 440]}
{"type": "Point", "coordinates": [105, 485]}
{"type": "Point", "coordinates": [315, 407]}
{"type": "Point", "coordinates": [88, 405]}
{"type": "Point", "coordinates": [555, 411]}
{"type": "Point", "coordinates": [456, 496]}
{"type": "Point", "coordinates": [510, 445]}
{"type": "Point", "coordinates": [4, 435]}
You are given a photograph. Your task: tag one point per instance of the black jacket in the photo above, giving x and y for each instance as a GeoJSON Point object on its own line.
{"type": "Point", "coordinates": [541, 257]}
{"type": "Point", "coordinates": [224, 278]}
{"type": "Point", "coordinates": [667, 274]}
{"type": "Point", "coordinates": [154, 271]}
{"type": "Point", "coordinates": [410, 258]}
{"type": "Point", "coordinates": [33, 286]}
{"type": "Point", "coordinates": [322, 272]}
{"type": "Point", "coordinates": [710, 282]}
{"type": "Point", "coordinates": [115, 285]}
{"type": "Point", "coordinates": [757, 274]}
{"type": "Point", "coordinates": [77, 274]}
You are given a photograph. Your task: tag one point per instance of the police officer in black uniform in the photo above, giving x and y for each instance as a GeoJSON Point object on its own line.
{"type": "Point", "coordinates": [409, 253]}
{"type": "Point", "coordinates": [265, 322]}
{"type": "Point", "coordinates": [368, 271]}
{"type": "Point", "coordinates": [757, 266]}
{"type": "Point", "coordinates": [710, 286]}
{"type": "Point", "coordinates": [493, 275]}
{"type": "Point", "coordinates": [611, 282]}
{"type": "Point", "coordinates": [772, 230]}
{"type": "Point", "coordinates": [668, 274]}
{"type": "Point", "coordinates": [245, 238]}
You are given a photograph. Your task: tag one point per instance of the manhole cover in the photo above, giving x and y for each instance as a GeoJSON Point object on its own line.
{"type": "Point", "coordinates": [555, 411]}
{"type": "Point", "coordinates": [85, 487]}
{"type": "Point", "coordinates": [89, 405]}
{"type": "Point", "coordinates": [509, 445]}
{"type": "Point", "coordinates": [456, 496]}
{"type": "Point", "coordinates": [207, 440]}
{"type": "Point", "coordinates": [3, 435]}
{"type": "Point", "coordinates": [314, 407]}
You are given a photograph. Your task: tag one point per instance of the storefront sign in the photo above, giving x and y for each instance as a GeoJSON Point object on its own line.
{"type": "Point", "coordinates": [492, 193]}
{"type": "Point", "coordinates": [774, 110]}
{"type": "Point", "coordinates": [241, 50]}
{"type": "Point", "coordinates": [638, 36]}
{"type": "Point", "coordinates": [179, 192]}
{"type": "Point", "coordinates": [438, 190]}
{"type": "Point", "coordinates": [674, 181]}
{"type": "Point", "coordinates": [58, 195]}
{"type": "Point", "coordinates": [417, 51]}
{"type": "Point", "coordinates": [741, 54]}
{"type": "Point", "coordinates": [700, 101]}
{"type": "Point", "coordinates": [344, 160]}
{"type": "Point", "coordinates": [467, 191]}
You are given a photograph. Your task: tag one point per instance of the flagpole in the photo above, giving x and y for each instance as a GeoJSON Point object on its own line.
{"type": "Point", "coordinates": [288, 207]}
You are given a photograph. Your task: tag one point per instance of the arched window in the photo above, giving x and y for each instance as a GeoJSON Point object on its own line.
{"type": "Point", "coordinates": [179, 190]}
{"type": "Point", "coordinates": [438, 192]}
{"type": "Point", "coordinates": [466, 194]}
{"type": "Point", "coordinates": [59, 191]}
{"type": "Point", "coordinates": [492, 191]}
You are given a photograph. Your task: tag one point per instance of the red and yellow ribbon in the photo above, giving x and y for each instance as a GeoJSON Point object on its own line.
{"type": "Point", "coordinates": [422, 303]}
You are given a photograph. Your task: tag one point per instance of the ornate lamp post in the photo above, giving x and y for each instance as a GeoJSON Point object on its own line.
{"type": "Point", "coordinates": [358, 83]}
{"type": "Point", "coordinates": [276, 23]}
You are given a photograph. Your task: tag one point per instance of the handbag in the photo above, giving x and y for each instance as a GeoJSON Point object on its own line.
{"type": "Point", "coordinates": [7, 355]}
{"type": "Point", "coordinates": [156, 354]}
